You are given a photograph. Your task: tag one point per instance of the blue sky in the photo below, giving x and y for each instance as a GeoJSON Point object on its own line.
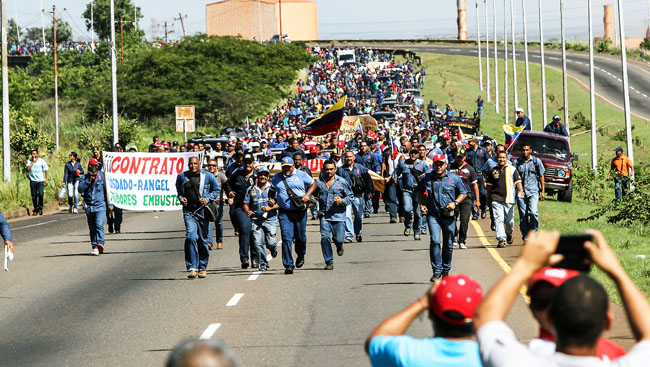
{"type": "Point", "coordinates": [353, 19]}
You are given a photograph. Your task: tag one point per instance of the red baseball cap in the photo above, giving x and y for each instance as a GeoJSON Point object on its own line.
{"type": "Point", "coordinates": [313, 149]}
{"type": "Point", "coordinates": [458, 293]}
{"type": "Point", "coordinates": [340, 144]}
{"type": "Point", "coordinates": [440, 157]}
{"type": "Point", "coordinates": [555, 276]}
{"type": "Point", "coordinates": [93, 162]}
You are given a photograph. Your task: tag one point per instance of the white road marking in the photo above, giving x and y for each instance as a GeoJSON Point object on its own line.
{"type": "Point", "coordinates": [644, 95]}
{"type": "Point", "coordinates": [254, 275]}
{"type": "Point", "coordinates": [235, 299]}
{"type": "Point", "coordinates": [578, 62]}
{"type": "Point", "coordinates": [34, 225]}
{"type": "Point", "coordinates": [596, 67]}
{"type": "Point", "coordinates": [608, 73]}
{"type": "Point", "coordinates": [454, 49]}
{"type": "Point", "coordinates": [537, 56]}
{"type": "Point", "coordinates": [553, 58]}
{"type": "Point", "coordinates": [207, 334]}
{"type": "Point", "coordinates": [156, 217]}
{"type": "Point", "coordinates": [637, 92]}
{"type": "Point", "coordinates": [567, 60]}
{"type": "Point", "coordinates": [632, 88]}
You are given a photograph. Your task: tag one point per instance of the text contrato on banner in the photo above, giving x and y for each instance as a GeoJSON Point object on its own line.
{"type": "Point", "coordinates": [144, 181]}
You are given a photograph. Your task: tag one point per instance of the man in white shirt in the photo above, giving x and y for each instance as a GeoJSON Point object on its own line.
{"type": "Point", "coordinates": [579, 310]}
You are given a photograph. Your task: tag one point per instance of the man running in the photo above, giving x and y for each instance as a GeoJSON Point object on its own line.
{"type": "Point", "coordinates": [262, 209]}
{"type": "Point", "coordinates": [501, 181]}
{"type": "Point", "coordinates": [408, 173]}
{"type": "Point", "coordinates": [93, 189]}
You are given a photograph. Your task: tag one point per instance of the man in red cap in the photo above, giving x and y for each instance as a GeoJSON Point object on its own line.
{"type": "Point", "coordinates": [540, 290]}
{"type": "Point", "coordinates": [450, 304]}
{"type": "Point", "coordinates": [93, 189]}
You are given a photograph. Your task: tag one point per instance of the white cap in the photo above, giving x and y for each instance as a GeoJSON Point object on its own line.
{"type": "Point", "coordinates": [519, 109]}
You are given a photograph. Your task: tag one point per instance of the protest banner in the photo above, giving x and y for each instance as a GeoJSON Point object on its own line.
{"type": "Point", "coordinates": [349, 126]}
{"type": "Point", "coordinates": [368, 123]}
{"type": "Point", "coordinates": [144, 181]}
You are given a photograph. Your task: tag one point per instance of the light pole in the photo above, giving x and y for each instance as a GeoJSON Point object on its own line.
{"type": "Point", "coordinates": [114, 74]}
{"type": "Point", "coordinates": [541, 52]}
{"type": "Point", "coordinates": [592, 98]}
{"type": "Point", "coordinates": [56, 82]}
{"type": "Point", "coordinates": [514, 53]}
{"type": "Point", "coordinates": [487, 51]}
{"type": "Point", "coordinates": [6, 152]}
{"type": "Point", "coordinates": [496, 60]}
{"type": "Point", "coordinates": [528, 107]}
{"type": "Point", "coordinates": [505, 59]}
{"type": "Point", "coordinates": [565, 90]}
{"type": "Point", "coordinates": [626, 91]}
{"type": "Point", "coordinates": [478, 43]}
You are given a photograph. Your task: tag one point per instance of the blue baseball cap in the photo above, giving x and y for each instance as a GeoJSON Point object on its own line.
{"type": "Point", "coordinates": [262, 170]}
{"type": "Point", "coordinates": [619, 149]}
{"type": "Point", "coordinates": [287, 161]}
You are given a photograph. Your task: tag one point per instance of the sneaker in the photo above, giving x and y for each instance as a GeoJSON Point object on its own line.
{"type": "Point", "coordinates": [244, 265]}
{"type": "Point", "coordinates": [359, 238]}
{"type": "Point", "coordinates": [475, 217]}
{"type": "Point", "coordinates": [40, 212]}
{"type": "Point", "coordinates": [483, 214]}
{"type": "Point", "coordinates": [416, 236]}
{"type": "Point", "coordinates": [462, 246]}
{"type": "Point", "coordinates": [75, 211]}
{"type": "Point", "coordinates": [509, 239]}
{"type": "Point", "coordinates": [254, 264]}
{"type": "Point", "coordinates": [493, 227]}
{"type": "Point", "coordinates": [393, 220]}
{"type": "Point", "coordinates": [192, 274]}
{"type": "Point", "coordinates": [445, 273]}
{"type": "Point", "coordinates": [288, 270]}
{"type": "Point", "coordinates": [34, 213]}
{"type": "Point", "coordinates": [339, 250]}
{"type": "Point", "coordinates": [203, 273]}
{"type": "Point", "coordinates": [348, 239]}
{"type": "Point", "coordinates": [423, 231]}
{"type": "Point", "coordinates": [100, 247]}
{"type": "Point", "coordinates": [300, 261]}
{"type": "Point", "coordinates": [263, 268]}
{"type": "Point", "coordinates": [366, 215]}
{"type": "Point", "coordinates": [501, 244]}
{"type": "Point", "coordinates": [454, 244]}
{"type": "Point", "coordinates": [313, 217]}
{"type": "Point", "coordinates": [95, 252]}
{"type": "Point", "coordinates": [435, 276]}
{"type": "Point", "coordinates": [329, 266]}
{"type": "Point", "coordinates": [118, 232]}
{"type": "Point", "coordinates": [407, 231]}
{"type": "Point", "coordinates": [274, 252]}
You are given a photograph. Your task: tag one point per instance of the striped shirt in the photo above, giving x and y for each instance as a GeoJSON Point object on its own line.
{"type": "Point", "coordinates": [502, 181]}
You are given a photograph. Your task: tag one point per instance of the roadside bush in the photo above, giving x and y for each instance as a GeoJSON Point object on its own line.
{"type": "Point", "coordinates": [603, 46]}
{"type": "Point", "coordinates": [591, 185]}
{"type": "Point", "coordinates": [579, 120]}
{"type": "Point", "coordinates": [100, 133]}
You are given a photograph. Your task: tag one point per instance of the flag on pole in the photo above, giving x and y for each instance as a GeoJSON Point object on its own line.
{"type": "Point", "coordinates": [328, 121]}
{"type": "Point", "coordinates": [395, 150]}
{"type": "Point", "coordinates": [246, 124]}
{"type": "Point", "coordinates": [512, 133]}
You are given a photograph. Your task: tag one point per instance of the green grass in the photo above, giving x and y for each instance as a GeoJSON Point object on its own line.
{"type": "Point", "coordinates": [454, 79]}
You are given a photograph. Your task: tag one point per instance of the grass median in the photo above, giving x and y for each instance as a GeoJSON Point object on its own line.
{"type": "Point", "coordinates": [454, 80]}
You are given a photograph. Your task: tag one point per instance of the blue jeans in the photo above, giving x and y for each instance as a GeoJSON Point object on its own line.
{"type": "Point", "coordinates": [482, 191]}
{"type": "Point", "coordinates": [411, 208]}
{"type": "Point", "coordinates": [504, 218]}
{"type": "Point", "coordinates": [96, 227]}
{"type": "Point", "coordinates": [327, 229]}
{"type": "Point", "coordinates": [354, 217]}
{"type": "Point", "coordinates": [217, 226]}
{"type": "Point", "coordinates": [528, 216]}
{"type": "Point", "coordinates": [73, 193]}
{"type": "Point", "coordinates": [197, 252]}
{"type": "Point", "coordinates": [368, 206]}
{"type": "Point", "coordinates": [622, 187]}
{"type": "Point", "coordinates": [479, 110]}
{"type": "Point", "coordinates": [293, 225]}
{"type": "Point", "coordinates": [244, 226]}
{"type": "Point", "coordinates": [390, 198]}
{"type": "Point", "coordinates": [441, 258]}
{"type": "Point", "coordinates": [264, 232]}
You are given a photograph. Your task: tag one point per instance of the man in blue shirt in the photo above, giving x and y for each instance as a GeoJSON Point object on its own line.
{"type": "Point", "coordinates": [450, 306]}
{"type": "Point", "coordinates": [476, 157]}
{"type": "Point", "coordinates": [261, 207]}
{"type": "Point", "coordinates": [334, 195]}
{"type": "Point", "coordinates": [293, 188]}
{"type": "Point", "coordinates": [556, 127]}
{"type": "Point", "coordinates": [361, 184]}
{"type": "Point", "coordinates": [93, 189]}
{"type": "Point", "coordinates": [6, 233]}
{"type": "Point", "coordinates": [479, 106]}
{"type": "Point", "coordinates": [522, 120]}
{"type": "Point", "coordinates": [444, 192]}
{"type": "Point", "coordinates": [370, 161]}
{"type": "Point", "coordinates": [531, 173]}
{"type": "Point", "coordinates": [39, 176]}
{"type": "Point", "coordinates": [408, 174]}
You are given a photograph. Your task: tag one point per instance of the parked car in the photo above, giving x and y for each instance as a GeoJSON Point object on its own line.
{"type": "Point", "coordinates": [555, 153]}
{"type": "Point", "coordinates": [417, 96]}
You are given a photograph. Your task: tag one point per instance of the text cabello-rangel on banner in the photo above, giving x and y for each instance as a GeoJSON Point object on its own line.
{"type": "Point", "coordinates": [144, 181]}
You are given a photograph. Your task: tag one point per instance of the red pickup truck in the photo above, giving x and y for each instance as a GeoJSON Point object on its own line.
{"type": "Point", "coordinates": [554, 152]}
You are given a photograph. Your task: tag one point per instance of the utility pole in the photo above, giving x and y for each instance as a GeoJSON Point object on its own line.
{"type": "Point", "coordinates": [528, 106]}
{"type": "Point", "coordinates": [56, 82]}
{"type": "Point", "coordinates": [167, 32]}
{"type": "Point", "coordinates": [487, 49]}
{"type": "Point", "coordinates": [121, 40]}
{"type": "Point", "coordinates": [514, 54]}
{"type": "Point", "coordinates": [592, 98]}
{"type": "Point", "coordinates": [6, 152]}
{"type": "Point", "coordinates": [505, 59]}
{"type": "Point", "coordinates": [114, 75]}
{"type": "Point", "coordinates": [496, 60]}
{"type": "Point", "coordinates": [565, 89]}
{"type": "Point", "coordinates": [16, 19]}
{"type": "Point", "coordinates": [626, 91]}
{"type": "Point", "coordinates": [43, 21]}
{"type": "Point", "coordinates": [478, 43]}
{"type": "Point", "coordinates": [280, 6]}
{"type": "Point", "coordinates": [92, 28]}
{"type": "Point", "coordinates": [180, 17]}
{"type": "Point", "coordinates": [541, 51]}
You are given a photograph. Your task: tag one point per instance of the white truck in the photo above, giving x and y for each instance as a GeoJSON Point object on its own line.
{"type": "Point", "coordinates": [343, 56]}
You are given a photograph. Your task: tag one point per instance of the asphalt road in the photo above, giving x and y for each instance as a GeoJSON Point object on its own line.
{"type": "Point", "coordinates": [132, 305]}
{"type": "Point", "coordinates": [607, 73]}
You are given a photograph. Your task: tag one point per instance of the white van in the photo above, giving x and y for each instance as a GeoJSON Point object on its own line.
{"type": "Point", "coordinates": [343, 56]}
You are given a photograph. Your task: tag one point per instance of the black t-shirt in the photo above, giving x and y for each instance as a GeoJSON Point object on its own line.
{"type": "Point", "coordinates": [191, 190]}
{"type": "Point", "coordinates": [468, 175]}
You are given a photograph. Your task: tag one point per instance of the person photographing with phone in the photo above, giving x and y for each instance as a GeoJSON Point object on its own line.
{"type": "Point", "coordinates": [579, 308]}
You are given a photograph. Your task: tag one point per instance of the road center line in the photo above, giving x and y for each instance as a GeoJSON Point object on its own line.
{"type": "Point", "coordinates": [645, 95]}
{"type": "Point", "coordinates": [502, 263]}
{"type": "Point", "coordinates": [34, 225]}
{"type": "Point", "coordinates": [207, 334]}
{"type": "Point", "coordinates": [235, 299]}
{"type": "Point", "coordinates": [254, 275]}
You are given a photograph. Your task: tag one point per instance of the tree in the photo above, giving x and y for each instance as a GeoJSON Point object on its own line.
{"type": "Point", "coordinates": [645, 44]}
{"type": "Point", "coordinates": [14, 32]}
{"type": "Point", "coordinates": [124, 10]}
{"type": "Point", "coordinates": [63, 32]}
{"type": "Point", "coordinates": [34, 34]}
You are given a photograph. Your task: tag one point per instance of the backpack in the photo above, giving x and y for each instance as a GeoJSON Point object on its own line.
{"type": "Point", "coordinates": [358, 186]}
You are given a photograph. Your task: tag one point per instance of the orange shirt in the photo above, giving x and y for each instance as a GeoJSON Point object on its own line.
{"type": "Point", "coordinates": [621, 165]}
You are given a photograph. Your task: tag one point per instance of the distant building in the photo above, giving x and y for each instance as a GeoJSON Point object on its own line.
{"type": "Point", "coordinates": [250, 18]}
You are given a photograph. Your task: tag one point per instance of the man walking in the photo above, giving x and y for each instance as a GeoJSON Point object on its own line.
{"type": "Point", "coordinates": [196, 188]}
{"type": "Point", "coordinates": [463, 170]}
{"type": "Point", "coordinates": [262, 209]}
{"type": "Point", "coordinates": [334, 195]}
{"type": "Point", "coordinates": [218, 172]}
{"type": "Point", "coordinates": [476, 156]}
{"type": "Point", "coordinates": [501, 182]}
{"type": "Point", "coordinates": [408, 173]}
{"type": "Point", "coordinates": [360, 182]}
{"type": "Point", "coordinates": [92, 187]}
{"type": "Point", "coordinates": [531, 172]}
{"type": "Point", "coordinates": [39, 176]}
{"type": "Point", "coordinates": [236, 188]}
{"type": "Point", "coordinates": [623, 169]}
{"type": "Point", "coordinates": [444, 193]}
{"type": "Point", "coordinates": [366, 158]}
{"type": "Point", "coordinates": [115, 214]}
{"type": "Point", "coordinates": [293, 189]}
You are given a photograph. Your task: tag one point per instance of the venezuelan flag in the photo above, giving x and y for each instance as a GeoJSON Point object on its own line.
{"type": "Point", "coordinates": [327, 122]}
{"type": "Point", "coordinates": [512, 133]}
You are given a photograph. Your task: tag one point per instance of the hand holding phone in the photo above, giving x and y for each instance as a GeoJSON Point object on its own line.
{"type": "Point", "coordinates": [576, 256]}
